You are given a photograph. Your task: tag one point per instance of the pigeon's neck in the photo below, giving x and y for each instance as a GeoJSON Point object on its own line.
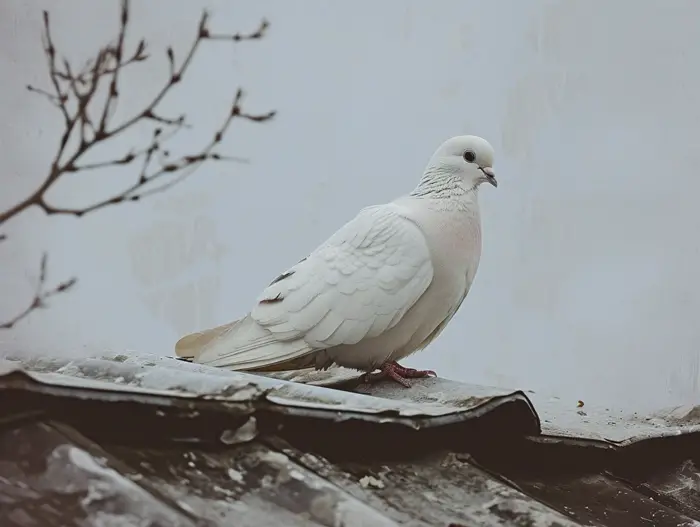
{"type": "Point", "coordinates": [439, 182]}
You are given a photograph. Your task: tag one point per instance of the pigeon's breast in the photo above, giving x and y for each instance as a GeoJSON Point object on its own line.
{"type": "Point", "coordinates": [454, 239]}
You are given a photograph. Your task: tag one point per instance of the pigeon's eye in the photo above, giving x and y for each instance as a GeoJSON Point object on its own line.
{"type": "Point", "coordinates": [469, 156]}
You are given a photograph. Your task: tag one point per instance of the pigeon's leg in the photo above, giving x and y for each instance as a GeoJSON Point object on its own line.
{"type": "Point", "coordinates": [412, 373]}
{"type": "Point", "coordinates": [394, 371]}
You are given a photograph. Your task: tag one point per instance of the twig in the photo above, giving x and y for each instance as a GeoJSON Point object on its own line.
{"type": "Point", "coordinates": [73, 93]}
{"type": "Point", "coordinates": [237, 37]}
{"type": "Point", "coordinates": [116, 53]}
{"type": "Point", "coordinates": [99, 68]}
{"type": "Point", "coordinates": [50, 52]}
{"type": "Point", "coordinates": [41, 295]}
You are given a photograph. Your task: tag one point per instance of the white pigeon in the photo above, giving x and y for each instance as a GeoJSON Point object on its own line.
{"type": "Point", "coordinates": [381, 288]}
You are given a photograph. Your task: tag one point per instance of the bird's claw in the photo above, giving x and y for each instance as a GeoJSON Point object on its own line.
{"type": "Point", "coordinates": [400, 374]}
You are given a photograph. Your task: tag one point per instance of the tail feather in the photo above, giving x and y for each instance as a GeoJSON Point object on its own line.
{"type": "Point", "coordinates": [190, 346]}
{"type": "Point", "coordinates": [244, 345]}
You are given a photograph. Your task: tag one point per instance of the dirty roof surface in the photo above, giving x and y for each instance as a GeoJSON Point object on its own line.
{"type": "Point", "coordinates": [151, 441]}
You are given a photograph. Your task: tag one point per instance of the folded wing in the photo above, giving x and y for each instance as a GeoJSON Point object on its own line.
{"type": "Point", "coordinates": [357, 285]}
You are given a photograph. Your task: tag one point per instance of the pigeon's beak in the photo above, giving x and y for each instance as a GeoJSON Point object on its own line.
{"type": "Point", "coordinates": [490, 175]}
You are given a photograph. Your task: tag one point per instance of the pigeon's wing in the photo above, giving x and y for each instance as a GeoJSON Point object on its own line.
{"type": "Point", "coordinates": [356, 285]}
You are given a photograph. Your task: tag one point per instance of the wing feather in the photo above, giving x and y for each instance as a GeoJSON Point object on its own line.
{"type": "Point", "coordinates": [357, 285]}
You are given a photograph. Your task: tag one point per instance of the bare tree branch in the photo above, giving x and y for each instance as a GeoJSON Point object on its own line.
{"type": "Point", "coordinates": [74, 93]}
{"type": "Point", "coordinates": [41, 295]}
{"type": "Point", "coordinates": [50, 52]}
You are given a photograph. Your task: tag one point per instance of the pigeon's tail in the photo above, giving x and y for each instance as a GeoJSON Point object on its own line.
{"type": "Point", "coordinates": [244, 345]}
{"type": "Point", "coordinates": [190, 346]}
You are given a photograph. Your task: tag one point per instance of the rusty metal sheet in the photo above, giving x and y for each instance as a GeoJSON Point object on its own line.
{"type": "Point", "coordinates": [683, 415]}
{"type": "Point", "coordinates": [253, 479]}
{"type": "Point", "coordinates": [437, 489]}
{"type": "Point", "coordinates": [256, 484]}
{"type": "Point", "coordinates": [249, 486]}
{"type": "Point", "coordinates": [567, 420]}
{"type": "Point", "coordinates": [122, 374]}
{"type": "Point", "coordinates": [52, 476]}
{"type": "Point", "coordinates": [48, 478]}
{"type": "Point", "coordinates": [599, 500]}
{"type": "Point", "coordinates": [561, 420]}
{"type": "Point", "coordinates": [666, 470]}
{"type": "Point", "coordinates": [146, 375]}
{"type": "Point", "coordinates": [434, 391]}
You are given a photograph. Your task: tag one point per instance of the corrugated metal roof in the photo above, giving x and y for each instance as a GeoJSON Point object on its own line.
{"type": "Point", "coordinates": [163, 376]}
{"type": "Point", "coordinates": [560, 420]}
{"type": "Point", "coordinates": [141, 440]}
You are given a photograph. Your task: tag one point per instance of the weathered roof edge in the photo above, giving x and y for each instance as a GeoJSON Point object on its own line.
{"type": "Point", "coordinates": [245, 400]}
{"type": "Point", "coordinates": [430, 403]}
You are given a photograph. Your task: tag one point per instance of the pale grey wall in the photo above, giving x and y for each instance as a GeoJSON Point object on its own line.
{"type": "Point", "coordinates": [587, 286]}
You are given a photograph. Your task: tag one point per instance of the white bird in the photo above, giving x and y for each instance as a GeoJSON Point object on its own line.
{"type": "Point", "coordinates": [381, 288]}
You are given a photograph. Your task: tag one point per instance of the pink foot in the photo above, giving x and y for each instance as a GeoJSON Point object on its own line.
{"type": "Point", "coordinates": [394, 371]}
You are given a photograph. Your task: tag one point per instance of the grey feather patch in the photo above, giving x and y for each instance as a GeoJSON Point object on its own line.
{"type": "Point", "coordinates": [274, 300]}
{"type": "Point", "coordinates": [282, 277]}
{"type": "Point", "coordinates": [286, 274]}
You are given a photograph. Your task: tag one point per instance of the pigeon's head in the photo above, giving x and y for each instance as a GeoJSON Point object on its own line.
{"type": "Point", "coordinates": [468, 156]}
